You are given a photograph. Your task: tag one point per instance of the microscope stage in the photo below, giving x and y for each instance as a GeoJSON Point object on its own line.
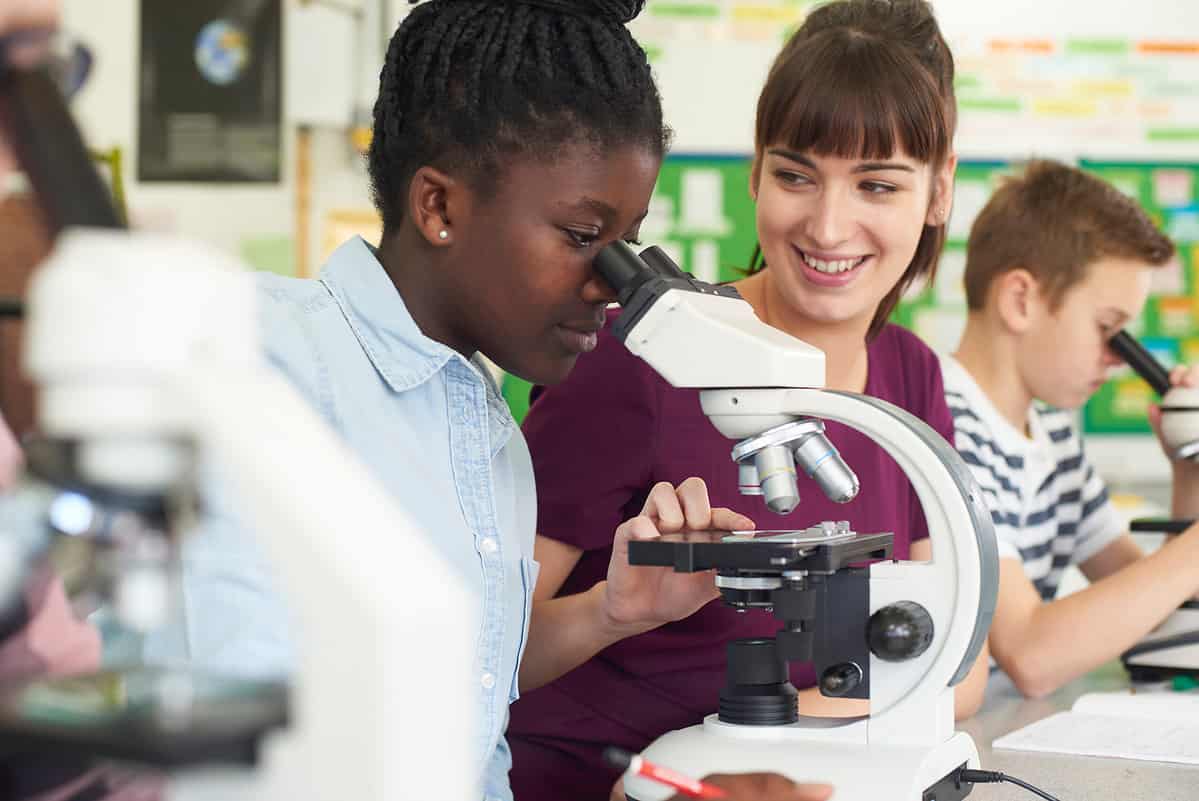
{"type": "Point", "coordinates": [760, 552]}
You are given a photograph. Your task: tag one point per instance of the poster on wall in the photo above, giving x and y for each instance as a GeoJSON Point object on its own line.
{"type": "Point", "coordinates": [1169, 325]}
{"type": "Point", "coordinates": [209, 105]}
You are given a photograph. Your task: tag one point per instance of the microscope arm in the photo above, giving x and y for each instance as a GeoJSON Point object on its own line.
{"type": "Point", "coordinates": [950, 497]}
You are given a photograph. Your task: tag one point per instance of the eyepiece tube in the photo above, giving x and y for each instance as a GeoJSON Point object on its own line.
{"type": "Point", "coordinates": [622, 268]}
{"type": "Point", "coordinates": [50, 150]}
{"type": "Point", "coordinates": [1141, 360]}
{"type": "Point", "coordinates": [657, 259]}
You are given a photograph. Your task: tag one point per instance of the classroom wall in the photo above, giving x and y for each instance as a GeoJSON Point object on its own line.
{"type": "Point", "coordinates": [701, 69]}
{"type": "Point", "coordinates": [324, 58]}
{"type": "Point", "coordinates": [708, 80]}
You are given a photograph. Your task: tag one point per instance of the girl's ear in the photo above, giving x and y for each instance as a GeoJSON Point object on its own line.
{"type": "Point", "coordinates": [429, 205]}
{"type": "Point", "coordinates": [941, 205]}
{"type": "Point", "coordinates": [755, 176]}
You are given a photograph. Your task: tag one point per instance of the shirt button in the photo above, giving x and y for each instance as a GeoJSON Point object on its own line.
{"type": "Point", "coordinates": [488, 681]}
{"type": "Point", "coordinates": [489, 545]}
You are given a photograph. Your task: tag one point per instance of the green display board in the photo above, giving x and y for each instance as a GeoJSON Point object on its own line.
{"type": "Point", "coordinates": [1168, 328]}
{"type": "Point", "coordinates": [936, 310]}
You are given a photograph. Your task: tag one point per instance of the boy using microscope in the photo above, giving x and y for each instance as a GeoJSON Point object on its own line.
{"type": "Point", "coordinates": [1058, 262]}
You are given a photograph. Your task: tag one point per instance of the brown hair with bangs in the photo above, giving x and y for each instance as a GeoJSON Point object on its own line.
{"type": "Point", "coordinates": [860, 79]}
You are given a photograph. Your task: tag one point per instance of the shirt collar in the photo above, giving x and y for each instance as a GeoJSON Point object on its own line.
{"type": "Point", "coordinates": [376, 312]}
{"type": "Point", "coordinates": [1011, 439]}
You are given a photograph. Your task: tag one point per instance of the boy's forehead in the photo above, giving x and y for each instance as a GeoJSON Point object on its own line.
{"type": "Point", "coordinates": [1120, 284]}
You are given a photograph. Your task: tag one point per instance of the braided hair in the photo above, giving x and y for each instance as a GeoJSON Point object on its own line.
{"type": "Point", "coordinates": [470, 83]}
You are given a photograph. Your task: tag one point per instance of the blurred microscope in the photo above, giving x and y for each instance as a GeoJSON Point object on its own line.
{"type": "Point", "coordinates": [138, 387]}
{"type": "Point", "coordinates": [900, 634]}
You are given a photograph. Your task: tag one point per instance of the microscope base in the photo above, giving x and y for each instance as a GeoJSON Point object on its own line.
{"type": "Point", "coordinates": [831, 751]}
{"type": "Point", "coordinates": [1172, 649]}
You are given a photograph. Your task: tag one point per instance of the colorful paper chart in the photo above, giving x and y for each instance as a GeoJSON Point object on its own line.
{"type": "Point", "coordinates": [1168, 327]}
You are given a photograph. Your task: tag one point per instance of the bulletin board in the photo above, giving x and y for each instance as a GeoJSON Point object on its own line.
{"type": "Point", "coordinates": [702, 215]}
{"type": "Point", "coordinates": [936, 311]}
{"type": "Point", "coordinates": [1168, 327]}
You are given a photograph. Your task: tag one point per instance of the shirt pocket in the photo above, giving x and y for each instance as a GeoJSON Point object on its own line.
{"type": "Point", "coordinates": [529, 569]}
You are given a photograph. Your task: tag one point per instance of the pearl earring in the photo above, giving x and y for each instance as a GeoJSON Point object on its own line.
{"type": "Point", "coordinates": [443, 234]}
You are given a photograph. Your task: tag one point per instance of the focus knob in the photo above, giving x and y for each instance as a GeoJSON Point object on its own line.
{"type": "Point", "coordinates": [840, 680]}
{"type": "Point", "coordinates": [900, 631]}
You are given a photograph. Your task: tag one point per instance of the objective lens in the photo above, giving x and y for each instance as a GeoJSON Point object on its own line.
{"type": "Point", "coordinates": [747, 479]}
{"type": "Point", "coordinates": [817, 457]}
{"type": "Point", "coordinates": [776, 475]}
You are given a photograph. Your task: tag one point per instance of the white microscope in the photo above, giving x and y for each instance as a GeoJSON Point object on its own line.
{"type": "Point", "coordinates": [1172, 648]}
{"type": "Point", "coordinates": [146, 356]}
{"type": "Point", "coordinates": [901, 634]}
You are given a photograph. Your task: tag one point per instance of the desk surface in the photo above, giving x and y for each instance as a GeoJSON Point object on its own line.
{"type": "Point", "coordinates": [1070, 778]}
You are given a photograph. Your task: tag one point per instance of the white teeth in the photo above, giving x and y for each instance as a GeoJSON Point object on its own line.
{"type": "Point", "coordinates": [838, 266]}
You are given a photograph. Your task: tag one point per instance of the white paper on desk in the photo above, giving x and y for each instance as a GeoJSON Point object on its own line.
{"type": "Point", "coordinates": [1160, 706]}
{"type": "Point", "coordinates": [1150, 727]}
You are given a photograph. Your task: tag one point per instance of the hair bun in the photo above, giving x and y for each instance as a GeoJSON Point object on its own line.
{"type": "Point", "coordinates": [622, 11]}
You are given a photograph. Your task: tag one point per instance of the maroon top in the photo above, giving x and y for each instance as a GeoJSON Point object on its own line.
{"type": "Point", "coordinates": [599, 442]}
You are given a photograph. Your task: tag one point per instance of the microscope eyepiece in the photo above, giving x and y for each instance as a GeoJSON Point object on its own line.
{"type": "Point", "coordinates": [1179, 405]}
{"type": "Point", "coordinates": [1141, 361]}
{"type": "Point", "coordinates": [623, 269]}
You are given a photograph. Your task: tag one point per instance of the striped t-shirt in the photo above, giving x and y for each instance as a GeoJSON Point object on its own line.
{"type": "Point", "coordinates": [1049, 507]}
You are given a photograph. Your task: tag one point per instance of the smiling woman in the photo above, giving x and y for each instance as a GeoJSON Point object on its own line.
{"type": "Point", "coordinates": [854, 164]}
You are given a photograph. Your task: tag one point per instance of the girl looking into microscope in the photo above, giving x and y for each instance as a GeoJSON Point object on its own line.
{"type": "Point", "coordinates": [852, 177]}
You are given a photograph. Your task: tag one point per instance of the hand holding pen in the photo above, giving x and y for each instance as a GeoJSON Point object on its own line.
{"type": "Point", "coordinates": [734, 787]}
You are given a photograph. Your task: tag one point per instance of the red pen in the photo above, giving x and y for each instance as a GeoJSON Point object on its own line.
{"type": "Point", "coordinates": [624, 760]}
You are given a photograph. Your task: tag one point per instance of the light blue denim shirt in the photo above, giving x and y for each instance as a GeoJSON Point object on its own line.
{"type": "Point", "coordinates": [435, 430]}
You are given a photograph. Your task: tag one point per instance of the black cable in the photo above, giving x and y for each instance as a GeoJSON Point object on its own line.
{"type": "Point", "coordinates": [967, 776]}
